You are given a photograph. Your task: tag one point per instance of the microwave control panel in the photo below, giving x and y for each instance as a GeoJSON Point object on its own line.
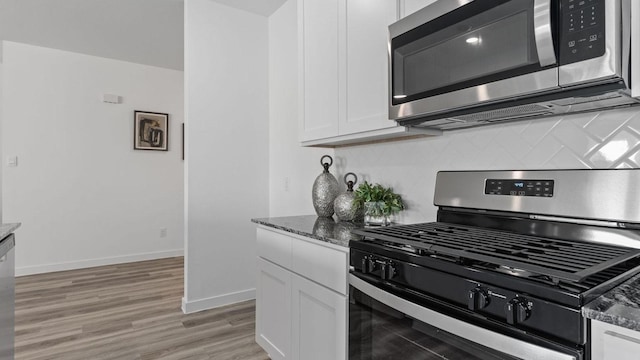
{"type": "Point", "coordinates": [540, 188]}
{"type": "Point", "coordinates": [582, 30]}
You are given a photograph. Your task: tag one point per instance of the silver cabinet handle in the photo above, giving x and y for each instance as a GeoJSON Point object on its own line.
{"type": "Point", "coordinates": [623, 337]}
{"type": "Point", "coordinates": [542, 31]}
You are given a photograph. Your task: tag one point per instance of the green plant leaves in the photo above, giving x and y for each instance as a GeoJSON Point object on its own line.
{"type": "Point", "coordinates": [390, 202]}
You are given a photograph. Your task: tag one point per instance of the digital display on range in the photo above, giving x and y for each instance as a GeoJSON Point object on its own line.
{"type": "Point", "coordinates": [510, 187]}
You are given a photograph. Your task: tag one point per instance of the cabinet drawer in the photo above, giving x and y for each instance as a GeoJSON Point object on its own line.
{"type": "Point", "coordinates": [324, 265]}
{"type": "Point", "coordinates": [610, 342]}
{"type": "Point", "coordinates": [274, 247]}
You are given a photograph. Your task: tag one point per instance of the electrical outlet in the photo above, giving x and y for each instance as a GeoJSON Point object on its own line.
{"type": "Point", "coordinates": [286, 184]}
{"type": "Point", "coordinates": [163, 232]}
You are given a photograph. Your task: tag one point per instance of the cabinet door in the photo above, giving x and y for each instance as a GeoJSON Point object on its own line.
{"type": "Point", "coordinates": [367, 35]}
{"type": "Point", "coordinates": [319, 74]}
{"type": "Point", "coordinates": [611, 342]}
{"type": "Point", "coordinates": [273, 310]}
{"type": "Point", "coordinates": [408, 7]}
{"type": "Point", "coordinates": [319, 318]}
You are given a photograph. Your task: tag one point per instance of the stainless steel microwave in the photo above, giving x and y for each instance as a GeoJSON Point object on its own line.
{"type": "Point", "coordinates": [462, 63]}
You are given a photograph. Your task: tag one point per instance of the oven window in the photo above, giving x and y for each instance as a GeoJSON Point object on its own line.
{"type": "Point", "coordinates": [378, 332]}
{"type": "Point", "coordinates": [494, 44]}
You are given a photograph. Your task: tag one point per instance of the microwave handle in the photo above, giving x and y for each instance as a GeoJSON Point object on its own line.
{"type": "Point", "coordinates": [542, 31]}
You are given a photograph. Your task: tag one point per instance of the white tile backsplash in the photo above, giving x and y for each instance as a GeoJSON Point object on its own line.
{"type": "Point", "coordinates": [609, 139]}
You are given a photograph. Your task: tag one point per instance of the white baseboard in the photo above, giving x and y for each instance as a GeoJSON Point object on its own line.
{"type": "Point", "coordinates": [81, 264]}
{"type": "Point", "coordinates": [189, 307]}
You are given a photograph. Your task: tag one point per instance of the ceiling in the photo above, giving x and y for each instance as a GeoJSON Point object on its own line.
{"type": "Point", "coordinates": [148, 32]}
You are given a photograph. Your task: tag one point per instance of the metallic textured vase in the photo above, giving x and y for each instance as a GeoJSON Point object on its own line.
{"type": "Point", "coordinates": [343, 204]}
{"type": "Point", "coordinates": [325, 189]}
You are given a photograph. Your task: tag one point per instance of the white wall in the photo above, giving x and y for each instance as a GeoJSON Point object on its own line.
{"type": "Point", "coordinates": [226, 173]}
{"type": "Point", "coordinates": [84, 196]}
{"type": "Point", "coordinates": [292, 168]}
{"type": "Point", "coordinates": [608, 139]}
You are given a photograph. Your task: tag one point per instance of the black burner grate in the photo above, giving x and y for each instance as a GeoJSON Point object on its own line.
{"type": "Point", "coordinates": [558, 259]}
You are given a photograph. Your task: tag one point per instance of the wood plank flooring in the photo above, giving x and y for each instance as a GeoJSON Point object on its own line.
{"type": "Point", "coordinates": [129, 311]}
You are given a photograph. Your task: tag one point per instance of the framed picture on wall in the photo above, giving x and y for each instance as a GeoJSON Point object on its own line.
{"type": "Point", "coordinates": [150, 131]}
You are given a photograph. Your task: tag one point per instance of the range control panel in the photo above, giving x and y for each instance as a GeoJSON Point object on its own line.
{"type": "Point", "coordinates": [541, 188]}
{"type": "Point", "coordinates": [582, 30]}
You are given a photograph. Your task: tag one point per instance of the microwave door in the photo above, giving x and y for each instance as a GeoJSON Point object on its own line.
{"type": "Point", "coordinates": [482, 52]}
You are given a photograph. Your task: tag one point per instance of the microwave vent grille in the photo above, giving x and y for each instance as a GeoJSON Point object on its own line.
{"type": "Point", "coordinates": [504, 114]}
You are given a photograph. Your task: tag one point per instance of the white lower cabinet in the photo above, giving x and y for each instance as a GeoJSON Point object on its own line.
{"type": "Point", "coordinates": [319, 318]}
{"type": "Point", "coordinates": [610, 342]}
{"type": "Point", "coordinates": [273, 310]}
{"type": "Point", "coordinates": [301, 297]}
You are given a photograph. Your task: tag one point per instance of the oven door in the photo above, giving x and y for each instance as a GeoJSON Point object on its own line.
{"type": "Point", "coordinates": [385, 326]}
{"type": "Point", "coordinates": [454, 54]}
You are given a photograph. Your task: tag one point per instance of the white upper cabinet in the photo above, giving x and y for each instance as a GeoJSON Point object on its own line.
{"type": "Point", "coordinates": [343, 77]}
{"type": "Point", "coordinates": [408, 7]}
{"type": "Point", "coordinates": [367, 64]}
{"type": "Point", "coordinates": [319, 81]}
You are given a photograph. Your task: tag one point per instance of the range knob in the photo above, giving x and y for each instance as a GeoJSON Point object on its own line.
{"type": "Point", "coordinates": [517, 310]}
{"type": "Point", "coordinates": [368, 264]}
{"type": "Point", "coordinates": [478, 299]}
{"type": "Point", "coordinates": [387, 270]}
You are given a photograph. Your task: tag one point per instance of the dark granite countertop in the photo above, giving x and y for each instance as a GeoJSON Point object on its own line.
{"type": "Point", "coordinates": [620, 306]}
{"type": "Point", "coordinates": [320, 228]}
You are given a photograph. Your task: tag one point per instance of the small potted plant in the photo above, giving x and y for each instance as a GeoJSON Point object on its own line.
{"type": "Point", "coordinates": [379, 203]}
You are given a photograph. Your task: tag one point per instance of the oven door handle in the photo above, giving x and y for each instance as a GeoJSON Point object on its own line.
{"type": "Point", "coordinates": [542, 32]}
{"type": "Point", "coordinates": [497, 341]}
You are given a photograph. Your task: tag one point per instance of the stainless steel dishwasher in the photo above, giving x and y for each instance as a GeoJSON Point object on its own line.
{"type": "Point", "coordinates": [7, 297]}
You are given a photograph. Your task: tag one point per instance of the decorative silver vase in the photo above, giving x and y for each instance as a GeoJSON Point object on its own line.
{"type": "Point", "coordinates": [325, 189]}
{"type": "Point", "coordinates": [343, 204]}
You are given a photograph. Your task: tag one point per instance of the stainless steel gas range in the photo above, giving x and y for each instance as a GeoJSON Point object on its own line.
{"type": "Point", "coordinates": [504, 271]}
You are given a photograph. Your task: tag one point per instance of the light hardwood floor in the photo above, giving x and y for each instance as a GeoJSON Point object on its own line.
{"type": "Point", "coordinates": [128, 311]}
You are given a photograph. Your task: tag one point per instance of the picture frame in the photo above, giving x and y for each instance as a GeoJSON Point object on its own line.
{"type": "Point", "coordinates": [150, 131]}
